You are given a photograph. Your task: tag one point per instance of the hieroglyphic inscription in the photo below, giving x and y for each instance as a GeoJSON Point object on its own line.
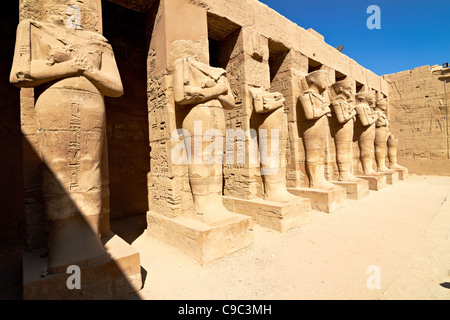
{"type": "Point", "coordinates": [74, 152]}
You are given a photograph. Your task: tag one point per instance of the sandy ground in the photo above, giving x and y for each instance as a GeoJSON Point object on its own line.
{"type": "Point", "coordinates": [404, 230]}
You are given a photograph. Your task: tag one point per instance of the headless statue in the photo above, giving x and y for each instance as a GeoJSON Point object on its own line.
{"type": "Point", "coordinates": [71, 72]}
{"type": "Point", "coordinates": [345, 117]}
{"type": "Point", "coordinates": [205, 92]}
{"type": "Point", "coordinates": [392, 153]}
{"type": "Point", "coordinates": [368, 119]}
{"type": "Point", "coordinates": [271, 116]}
{"type": "Point", "coordinates": [317, 111]}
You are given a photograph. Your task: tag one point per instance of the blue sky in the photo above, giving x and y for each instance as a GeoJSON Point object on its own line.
{"type": "Point", "coordinates": [413, 33]}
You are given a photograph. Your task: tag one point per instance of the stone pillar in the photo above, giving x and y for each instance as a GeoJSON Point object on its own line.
{"type": "Point", "coordinates": [180, 212]}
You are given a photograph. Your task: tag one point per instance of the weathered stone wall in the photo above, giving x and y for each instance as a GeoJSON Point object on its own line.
{"type": "Point", "coordinates": [419, 114]}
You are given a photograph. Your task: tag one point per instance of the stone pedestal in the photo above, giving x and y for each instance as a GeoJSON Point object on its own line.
{"type": "Point", "coordinates": [326, 200]}
{"type": "Point", "coordinates": [376, 183]}
{"type": "Point", "coordinates": [202, 242]}
{"type": "Point", "coordinates": [402, 173]}
{"type": "Point", "coordinates": [273, 215]}
{"type": "Point", "coordinates": [356, 190]}
{"type": "Point", "coordinates": [113, 279]}
{"type": "Point", "coordinates": [391, 177]}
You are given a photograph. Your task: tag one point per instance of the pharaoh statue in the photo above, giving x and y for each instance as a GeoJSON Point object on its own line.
{"type": "Point", "coordinates": [71, 70]}
{"type": "Point", "coordinates": [345, 112]}
{"type": "Point", "coordinates": [316, 111]}
{"type": "Point", "coordinates": [204, 91]}
{"type": "Point", "coordinates": [381, 136]}
{"type": "Point", "coordinates": [368, 118]}
{"type": "Point", "coordinates": [269, 108]}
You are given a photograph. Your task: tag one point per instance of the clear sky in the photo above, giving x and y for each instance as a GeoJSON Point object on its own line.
{"type": "Point", "coordinates": [413, 33]}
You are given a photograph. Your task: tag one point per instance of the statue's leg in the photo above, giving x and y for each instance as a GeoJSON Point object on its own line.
{"type": "Point", "coordinates": [315, 147]}
{"type": "Point", "coordinates": [366, 147]}
{"type": "Point", "coordinates": [206, 179]}
{"type": "Point", "coordinates": [381, 137]}
{"type": "Point", "coordinates": [273, 172]}
{"type": "Point", "coordinates": [72, 179]}
{"type": "Point", "coordinates": [344, 149]}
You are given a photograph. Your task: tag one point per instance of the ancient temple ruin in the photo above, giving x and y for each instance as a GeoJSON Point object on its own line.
{"type": "Point", "coordinates": [210, 115]}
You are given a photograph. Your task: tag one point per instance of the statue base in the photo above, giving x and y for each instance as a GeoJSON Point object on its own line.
{"type": "Point", "coordinates": [202, 242]}
{"type": "Point", "coordinates": [376, 183]}
{"type": "Point", "coordinates": [277, 216]}
{"type": "Point", "coordinates": [402, 173]}
{"type": "Point", "coordinates": [114, 279]}
{"type": "Point", "coordinates": [356, 190]}
{"type": "Point", "coordinates": [326, 200]}
{"type": "Point", "coordinates": [391, 177]}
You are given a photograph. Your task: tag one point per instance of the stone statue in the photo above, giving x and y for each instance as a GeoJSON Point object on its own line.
{"type": "Point", "coordinates": [381, 136]}
{"type": "Point", "coordinates": [269, 108]}
{"type": "Point", "coordinates": [392, 154]}
{"type": "Point", "coordinates": [71, 72]}
{"type": "Point", "coordinates": [345, 117]}
{"type": "Point", "coordinates": [368, 119]}
{"type": "Point", "coordinates": [316, 111]}
{"type": "Point", "coordinates": [205, 91]}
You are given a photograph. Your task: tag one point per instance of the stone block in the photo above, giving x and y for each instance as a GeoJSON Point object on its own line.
{"type": "Point", "coordinates": [326, 200]}
{"type": "Point", "coordinates": [376, 183]}
{"type": "Point", "coordinates": [391, 177]}
{"type": "Point", "coordinates": [356, 190]}
{"type": "Point", "coordinates": [273, 215]}
{"type": "Point", "coordinates": [202, 242]}
{"type": "Point", "coordinates": [114, 279]}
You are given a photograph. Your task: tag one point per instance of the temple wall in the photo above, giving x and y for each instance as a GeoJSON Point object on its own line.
{"type": "Point", "coordinates": [419, 115]}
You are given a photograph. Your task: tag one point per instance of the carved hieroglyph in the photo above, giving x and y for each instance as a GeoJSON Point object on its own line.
{"type": "Point", "coordinates": [71, 71]}
{"type": "Point", "coordinates": [345, 115]}
{"type": "Point", "coordinates": [270, 110]}
{"type": "Point", "coordinates": [317, 111]}
{"type": "Point", "coordinates": [381, 136]}
{"type": "Point", "coordinates": [205, 91]}
{"type": "Point", "coordinates": [368, 119]}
